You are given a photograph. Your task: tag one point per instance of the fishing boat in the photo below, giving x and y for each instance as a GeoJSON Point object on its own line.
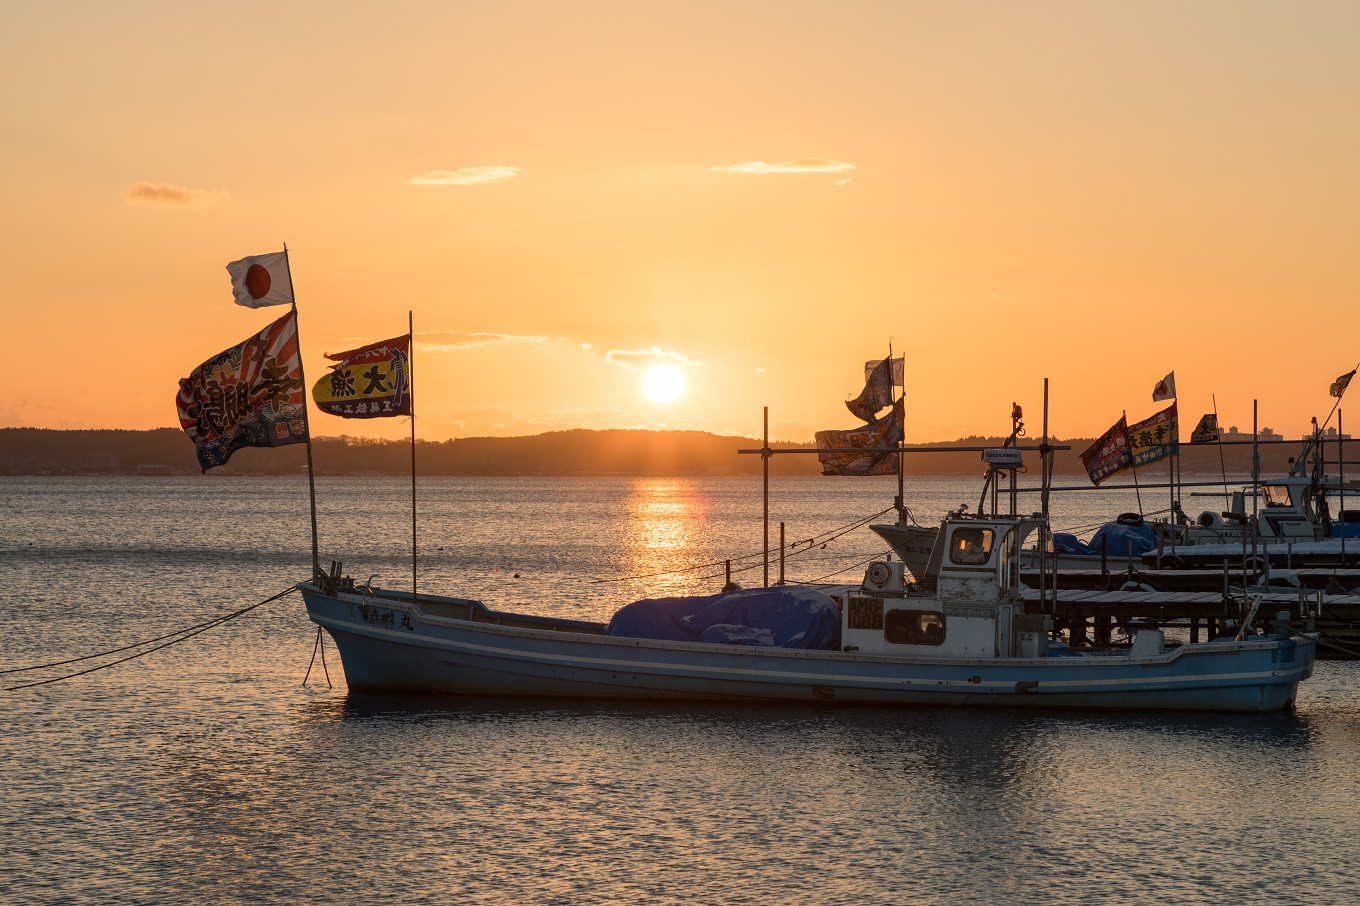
{"type": "Point", "coordinates": [1286, 532]}
{"type": "Point", "coordinates": [975, 636]}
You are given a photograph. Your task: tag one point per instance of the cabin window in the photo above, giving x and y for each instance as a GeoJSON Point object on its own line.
{"type": "Point", "coordinates": [913, 627]}
{"type": "Point", "coordinates": [1278, 495]}
{"type": "Point", "coordinates": [971, 546]}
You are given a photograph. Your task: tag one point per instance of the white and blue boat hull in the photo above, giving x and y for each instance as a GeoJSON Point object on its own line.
{"type": "Point", "coordinates": [388, 643]}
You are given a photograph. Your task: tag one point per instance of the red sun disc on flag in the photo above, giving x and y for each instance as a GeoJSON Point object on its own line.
{"type": "Point", "coordinates": [257, 281]}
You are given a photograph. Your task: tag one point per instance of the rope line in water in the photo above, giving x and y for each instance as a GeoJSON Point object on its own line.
{"type": "Point", "coordinates": [176, 637]}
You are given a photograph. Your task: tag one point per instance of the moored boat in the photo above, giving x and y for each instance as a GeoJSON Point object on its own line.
{"type": "Point", "coordinates": [974, 637]}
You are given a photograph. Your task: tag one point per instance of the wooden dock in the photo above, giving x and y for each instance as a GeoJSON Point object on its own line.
{"type": "Point", "coordinates": [1093, 613]}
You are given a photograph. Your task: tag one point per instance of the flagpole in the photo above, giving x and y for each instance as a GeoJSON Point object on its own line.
{"type": "Point", "coordinates": [765, 495]}
{"type": "Point", "coordinates": [901, 496]}
{"type": "Point", "coordinates": [1307, 449]}
{"type": "Point", "coordinates": [306, 422]}
{"type": "Point", "coordinates": [411, 396]}
{"type": "Point", "coordinates": [1340, 480]}
{"type": "Point", "coordinates": [1222, 461]}
{"type": "Point", "coordinates": [1133, 464]}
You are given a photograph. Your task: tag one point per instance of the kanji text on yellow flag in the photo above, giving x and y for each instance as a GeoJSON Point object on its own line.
{"type": "Point", "coordinates": [1154, 438]}
{"type": "Point", "coordinates": [1206, 432]}
{"type": "Point", "coordinates": [261, 280]}
{"type": "Point", "coordinates": [372, 381]}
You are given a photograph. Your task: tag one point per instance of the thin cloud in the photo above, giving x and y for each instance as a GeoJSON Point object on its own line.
{"type": "Point", "coordinates": [453, 340]}
{"type": "Point", "coordinates": [844, 182]}
{"type": "Point", "coordinates": [641, 358]}
{"type": "Point", "coordinates": [165, 195]}
{"type": "Point", "coordinates": [801, 165]}
{"type": "Point", "coordinates": [468, 176]}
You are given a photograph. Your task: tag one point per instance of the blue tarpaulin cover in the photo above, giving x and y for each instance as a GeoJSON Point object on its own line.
{"type": "Point", "coordinates": [1118, 538]}
{"type": "Point", "coordinates": [784, 617]}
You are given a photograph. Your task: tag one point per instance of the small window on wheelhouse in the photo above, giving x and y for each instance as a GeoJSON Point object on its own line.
{"type": "Point", "coordinates": [913, 627]}
{"type": "Point", "coordinates": [1278, 495]}
{"type": "Point", "coordinates": [970, 546]}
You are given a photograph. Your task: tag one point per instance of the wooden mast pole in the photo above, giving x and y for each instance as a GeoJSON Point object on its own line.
{"type": "Point", "coordinates": [306, 422]}
{"type": "Point", "coordinates": [411, 395]}
{"type": "Point", "coordinates": [901, 495]}
{"type": "Point", "coordinates": [765, 462]}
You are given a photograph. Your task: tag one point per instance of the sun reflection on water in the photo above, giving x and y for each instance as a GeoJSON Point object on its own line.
{"type": "Point", "coordinates": [665, 530]}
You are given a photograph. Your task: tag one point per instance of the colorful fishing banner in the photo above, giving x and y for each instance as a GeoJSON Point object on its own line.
{"type": "Point", "coordinates": [877, 392]}
{"type": "Point", "coordinates": [896, 369]}
{"type": "Point", "coordinates": [1155, 438]}
{"type": "Point", "coordinates": [864, 451]}
{"type": "Point", "coordinates": [1110, 454]}
{"type": "Point", "coordinates": [250, 395]}
{"type": "Point", "coordinates": [1206, 432]}
{"type": "Point", "coordinates": [373, 381]}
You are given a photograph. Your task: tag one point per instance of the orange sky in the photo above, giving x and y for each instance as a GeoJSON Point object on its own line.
{"type": "Point", "coordinates": [1092, 192]}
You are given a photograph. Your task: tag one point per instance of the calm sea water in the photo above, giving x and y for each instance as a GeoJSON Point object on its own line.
{"type": "Point", "coordinates": [207, 773]}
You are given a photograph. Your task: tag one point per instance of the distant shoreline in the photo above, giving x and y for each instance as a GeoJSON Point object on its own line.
{"type": "Point", "coordinates": [576, 453]}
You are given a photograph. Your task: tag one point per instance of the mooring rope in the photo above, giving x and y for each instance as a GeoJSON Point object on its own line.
{"type": "Point", "coordinates": [1327, 642]}
{"type": "Point", "coordinates": [176, 637]}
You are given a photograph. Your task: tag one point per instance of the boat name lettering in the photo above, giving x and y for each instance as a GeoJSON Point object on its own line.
{"type": "Point", "coordinates": [387, 619]}
{"type": "Point", "coordinates": [955, 611]}
{"type": "Point", "coordinates": [864, 613]}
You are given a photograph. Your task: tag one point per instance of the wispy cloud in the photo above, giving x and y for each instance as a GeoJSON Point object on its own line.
{"type": "Point", "coordinates": [801, 165]}
{"type": "Point", "coordinates": [468, 176]}
{"type": "Point", "coordinates": [641, 358]}
{"type": "Point", "coordinates": [844, 182]}
{"type": "Point", "coordinates": [452, 340]}
{"type": "Point", "coordinates": [165, 195]}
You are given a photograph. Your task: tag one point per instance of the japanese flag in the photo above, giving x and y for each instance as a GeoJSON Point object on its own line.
{"type": "Point", "coordinates": [261, 280]}
{"type": "Point", "coordinates": [1165, 389]}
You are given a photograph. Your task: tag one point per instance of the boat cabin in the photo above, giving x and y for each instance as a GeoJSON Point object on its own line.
{"type": "Point", "coordinates": [968, 604]}
{"type": "Point", "coordinates": [1285, 514]}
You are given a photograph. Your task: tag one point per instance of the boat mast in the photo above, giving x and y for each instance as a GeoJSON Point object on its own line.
{"type": "Point", "coordinates": [411, 396]}
{"type": "Point", "coordinates": [1222, 460]}
{"type": "Point", "coordinates": [1341, 482]}
{"type": "Point", "coordinates": [765, 494]}
{"type": "Point", "coordinates": [306, 422]}
{"type": "Point", "coordinates": [901, 496]}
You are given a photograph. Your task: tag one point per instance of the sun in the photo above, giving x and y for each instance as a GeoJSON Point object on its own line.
{"type": "Point", "coordinates": [663, 383]}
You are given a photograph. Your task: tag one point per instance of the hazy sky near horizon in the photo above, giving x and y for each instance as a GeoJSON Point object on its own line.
{"type": "Point", "coordinates": [764, 194]}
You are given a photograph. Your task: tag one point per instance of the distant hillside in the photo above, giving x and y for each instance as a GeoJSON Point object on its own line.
{"type": "Point", "coordinates": [32, 451]}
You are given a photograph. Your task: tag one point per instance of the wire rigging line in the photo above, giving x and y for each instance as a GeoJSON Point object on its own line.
{"type": "Point", "coordinates": [824, 538]}
{"type": "Point", "coordinates": [844, 569]}
{"type": "Point", "coordinates": [176, 637]}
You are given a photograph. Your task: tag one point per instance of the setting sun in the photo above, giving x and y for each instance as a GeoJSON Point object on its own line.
{"type": "Point", "coordinates": [663, 383]}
